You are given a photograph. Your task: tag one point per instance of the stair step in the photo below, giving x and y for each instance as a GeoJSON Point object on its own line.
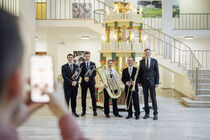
{"type": "Point", "coordinates": [202, 98]}
{"type": "Point", "coordinates": [201, 72]}
{"type": "Point", "coordinates": [200, 76]}
{"type": "Point", "coordinates": [197, 104]}
{"type": "Point", "coordinates": [203, 91]}
{"type": "Point", "coordinates": [201, 80]}
{"type": "Point", "coordinates": [202, 85]}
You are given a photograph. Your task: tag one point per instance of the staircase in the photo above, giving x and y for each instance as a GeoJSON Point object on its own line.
{"type": "Point", "coordinates": [202, 96]}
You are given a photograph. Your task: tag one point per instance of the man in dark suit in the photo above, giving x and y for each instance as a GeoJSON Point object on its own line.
{"type": "Point", "coordinates": [88, 81]}
{"type": "Point", "coordinates": [70, 85]}
{"type": "Point", "coordinates": [128, 78]}
{"type": "Point", "coordinates": [148, 78]}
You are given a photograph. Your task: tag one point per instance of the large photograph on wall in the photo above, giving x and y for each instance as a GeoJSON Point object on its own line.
{"type": "Point", "coordinates": [82, 10]}
{"type": "Point", "coordinates": [78, 57]}
{"type": "Point", "coordinates": [150, 9]}
{"type": "Point", "coordinates": [176, 8]}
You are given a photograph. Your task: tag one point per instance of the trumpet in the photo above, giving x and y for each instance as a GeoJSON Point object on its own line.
{"type": "Point", "coordinates": [113, 88]}
{"type": "Point", "coordinates": [76, 74]}
{"type": "Point", "coordinates": [90, 71]}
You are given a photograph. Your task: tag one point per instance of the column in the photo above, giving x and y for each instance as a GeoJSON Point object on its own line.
{"type": "Point", "coordinates": [167, 25]}
{"type": "Point", "coordinates": [27, 29]}
{"type": "Point", "coordinates": [167, 19]}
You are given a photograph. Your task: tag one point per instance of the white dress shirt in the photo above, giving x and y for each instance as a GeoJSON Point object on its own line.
{"type": "Point", "coordinates": [149, 60]}
{"type": "Point", "coordinates": [88, 64]}
{"type": "Point", "coordinates": [130, 70]}
{"type": "Point", "coordinates": [112, 71]}
{"type": "Point", "coordinates": [71, 64]}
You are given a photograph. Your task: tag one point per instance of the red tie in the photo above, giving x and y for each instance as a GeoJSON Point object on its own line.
{"type": "Point", "coordinates": [71, 68]}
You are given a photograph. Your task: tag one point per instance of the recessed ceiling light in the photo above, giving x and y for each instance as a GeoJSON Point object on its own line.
{"type": "Point", "coordinates": [189, 37]}
{"type": "Point", "coordinates": [85, 37]}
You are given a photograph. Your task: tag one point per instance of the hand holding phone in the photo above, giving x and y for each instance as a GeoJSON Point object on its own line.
{"type": "Point", "coordinates": [41, 77]}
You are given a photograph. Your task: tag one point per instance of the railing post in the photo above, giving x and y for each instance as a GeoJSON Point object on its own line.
{"type": "Point", "coordinates": [196, 77]}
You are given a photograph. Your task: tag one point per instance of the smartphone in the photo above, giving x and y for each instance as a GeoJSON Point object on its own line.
{"type": "Point", "coordinates": [41, 77]}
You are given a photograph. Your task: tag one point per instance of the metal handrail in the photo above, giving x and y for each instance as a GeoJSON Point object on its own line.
{"type": "Point", "coordinates": [170, 37]}
{"type": "Point", "coordinates": [11, 6]}
{"type": "Point", "coordinates": [192, 21]}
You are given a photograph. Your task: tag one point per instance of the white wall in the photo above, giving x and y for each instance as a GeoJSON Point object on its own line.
{"type": "Point", "coordinates": [195, 6]}
{"type": "Point", "coordinates": [60, 51]}
{"type": "Point", "coordinates": [198, 43]}
{"type": "Point", "coordinates": [183, 85]}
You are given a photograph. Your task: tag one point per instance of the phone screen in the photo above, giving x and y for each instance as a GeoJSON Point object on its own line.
{"type": "Point", "coordinates": [41, 73]}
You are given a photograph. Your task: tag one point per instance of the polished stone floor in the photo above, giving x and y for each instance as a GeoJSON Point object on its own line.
{"type": "Point", "coordinates": [176, 122]}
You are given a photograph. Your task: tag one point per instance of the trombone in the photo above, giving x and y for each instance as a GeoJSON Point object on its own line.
{"type": "Point", "coordinates": [131, 91]}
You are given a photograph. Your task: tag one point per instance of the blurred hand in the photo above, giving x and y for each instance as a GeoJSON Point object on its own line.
{"type": "Point", "coordinates": [27, 107]}
{"type": "Point", "coordinates": [156, 85]}
{"type": "Point", "coordinates": [105, 86]}
{"type": "Point", "coordinates": [74, 83]}
{"type": "Point", "coordinates": [128, 83]}
{"type": "Point", "coordinates": [57, 104]}
{"type": "Point", "coordinates": [132, 83]}
{"type": "Point", "coordinates": [86, 79]}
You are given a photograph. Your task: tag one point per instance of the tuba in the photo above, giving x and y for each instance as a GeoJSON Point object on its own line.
{"type": "Point", "coordinates": [76, 73]}
{"type": "Point", "coordinates": [113, 88]}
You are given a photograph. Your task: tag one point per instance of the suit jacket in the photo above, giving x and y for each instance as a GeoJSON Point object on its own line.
{"type": "Point", "coordinates": [83, 72]}
{"type": "Point", "coordinates": [67, 74]}
{"type": "Point", "coordinates": [126, 76]}
{"type": "Point", "coordinates": [151, 74]}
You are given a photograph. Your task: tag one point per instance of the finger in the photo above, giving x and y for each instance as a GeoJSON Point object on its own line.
{"type": "Point", "coordinates": [28, 98]}
{"type": "Point", "coordinates": [28, 81]}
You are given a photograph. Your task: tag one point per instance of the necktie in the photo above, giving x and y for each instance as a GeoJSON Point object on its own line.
{"type": "Point", "coordinates": [111, 74]}
{"type": "Point", "coordinates": [147, 63]}
{"type": "Point", "coordinates": [71, 68]}
{"type": "Point", "coordinates": [87, 66]}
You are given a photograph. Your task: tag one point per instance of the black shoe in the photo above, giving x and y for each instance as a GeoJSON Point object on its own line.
{"type": "Point", "coordinates": [137, 117]}
{"type": "Point", "coordinates": [83, 113]}
{"type": "Point", "coordinates": [155, 117]}
{"type": "Point", "coordinates": [75, 114]}
{"type": "Point", "coordinates": [107, 116]}
{"type": "Point", "coordinates": [146, 116]}
{"type": "Point", "coordinates": [128, 117]}
{"type": "Point", "coordinates": [118, 115]}
{"type": "Point", "coordinates": [94, 113]}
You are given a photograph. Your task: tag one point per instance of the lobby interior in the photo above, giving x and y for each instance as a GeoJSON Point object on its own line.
{"type": "Point", "coordinates": [176, 31]}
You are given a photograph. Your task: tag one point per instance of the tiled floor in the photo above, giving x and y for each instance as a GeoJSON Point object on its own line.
{"type": "Point", "coordinates": [176, 122]}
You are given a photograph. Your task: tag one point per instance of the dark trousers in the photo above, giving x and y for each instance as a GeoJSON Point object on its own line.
{"type": "Point", "coordinates": [135, 100]}
{"type": "Point", "coordinates": [71, 94]}
{"type": "Point", "coordinates": [84, 96]}
{"type": "Point", "coordinates": [146, 88]}
{"type": "Point", "coordinates": [106, 104]}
